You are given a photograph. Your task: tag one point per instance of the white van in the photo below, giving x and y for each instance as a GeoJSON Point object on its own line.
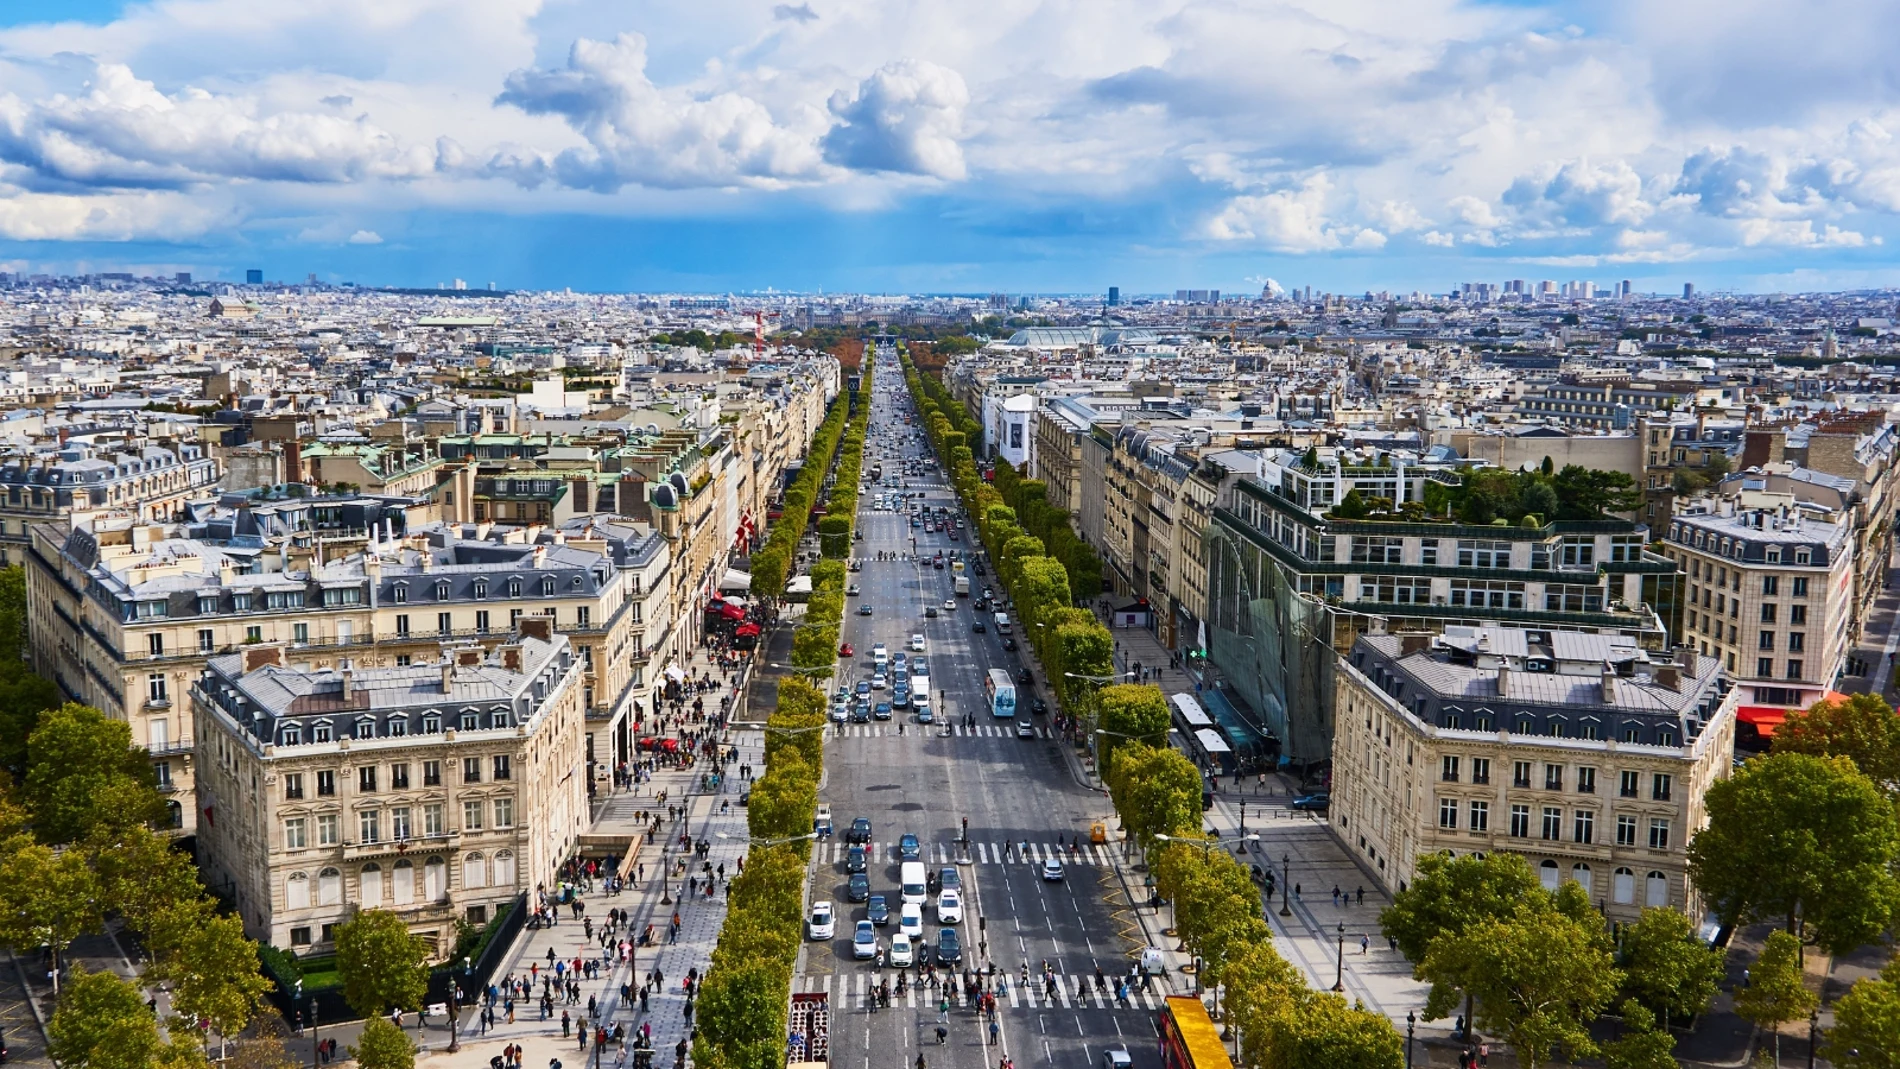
{"type": "Point", "coordinates": [880, 655]}
{"type": "Point", "coordinates": [910, 880]}
{"type": "Point", "coordinates": [1002, 623]}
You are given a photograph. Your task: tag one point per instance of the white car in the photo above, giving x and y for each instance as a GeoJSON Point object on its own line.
{"type": "Point", "coordinates": [864, 942]}
{"type": "Point", "coordinates": [880, 656]}
{"type": "Point", "coordinates": [917, 643]}
{"type": "Point", "coordinates": [911, 920]}
{"type": "Point", "coordinates": [822, 925]}
{"type": "Point", "coordinates": [1052, 870]}
{"type": "Point", "coordinates": [900, 955]}
{"type": "Point", "coordinates": [949, 908]}
{"type": "Point", "coordinates": [879, 681]}
{"type": "Point", "coordinates": [949, 604]}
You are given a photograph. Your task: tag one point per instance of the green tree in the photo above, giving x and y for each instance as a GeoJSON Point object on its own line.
{"type": "Point", "coordinates": [1667, 968]}
{"type": "Point", "coordinates": [211, 968]}
{"type": "Point", "coordinates": [1777, 990]}
{"type": "Point", "coordinates": [47, 898]}
{"type": "Point", "coordinates": [102, 1023]}
{"type": "Point", "coordinates": [1587, 494]}
{"type": "Point", "coordinates": [381, 963]}
{"type": "Point", "coordinates": [741, 1012]}
{"type": "Point", "coordinates": [1131, 713]}
{"type": "Point", "coordinates": [381, 1045]}
{"type": "Point", "coordinates": [1793, 835]}
{"type": "Point", "coordinates": [142, 877]}
{"type": "Point", "coordinates": [1449, 895]}
{"type": "Point", "coordinates": [1866, 1031]}
{"type": "Point", "coordinates": [83, 773]}
{"type": "Point", "coordinates": [1862, 728]}
{"type": "Point", "coordinates": [1352, 506]}
{"type": "Point", "coordinates": [1540, 500]}
{"type": "Point", "coordinates": [1537, 979]}
{"type": "Point", "coordinates": [1155, 790]}
{"type": "Point", "coordinates": [1642, 1045]}
{"type": "Point", "coordinates": [1323, 1032]}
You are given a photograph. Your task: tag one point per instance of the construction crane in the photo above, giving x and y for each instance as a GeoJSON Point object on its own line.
{"type": "Point", "coordinates": [759, 316]}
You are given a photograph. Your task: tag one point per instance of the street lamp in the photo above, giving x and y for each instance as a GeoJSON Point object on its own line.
{"type": "Point", "coordinates": [316, 1042]}
{"type": "Point", "coordinates": [1207, 845]}
{"type": "Point", "coordinates": [1339, 971]}
{"type": "Point", "coordinates": [1814, 1033]}
{"type": "Point", "coordinates": [1286, 884]}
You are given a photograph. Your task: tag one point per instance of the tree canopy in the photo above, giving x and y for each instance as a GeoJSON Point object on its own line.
{"type": "Point", "coordinates": [381, 963]}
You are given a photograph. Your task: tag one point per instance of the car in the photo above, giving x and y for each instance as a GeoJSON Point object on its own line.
{"type": "Point", "coordinates": [882, 711]}
{"type": "Point", "coordinates": [1052, 870]}
{"type": "Point", "coordinates": [860, 831]}
{"type": "Point", "coordinates": [854, 859]}
{"type": "Point", "coordinates": [949, 878]}
{"type": "Point", "coordinates": [924, 715]}
{"type": "Point", "coordinates": [877, 911]}
{"type": "Point", "coordinates": [852, 591]}
{"type": "Point", "coordinates": [930, 612]}
{"type": "Point", "coordinates": [1025, 676]}
{"type": "Point", "coordinates": [900, 659]}
{"type": "Point", "coordinates": [861, 712]}
{"type": "Point", "coordinates": [977, 628]}
{"type": "Point", "coordinates": [840, 712]}
{"type": "Point", "coordinates": [880, 654]}
{"type": "Point", "coordinates": [900, 697]}
{"type": "Point", "coordinates": [978, 568]}
{"type": "Point", "coordinates": [919, 667]}
{"type": "Point", "coordinates": [915, 522]}
{"type": "Point", "coordinates": [908, 848]}
{"type": "Point", "coordinates": [938, 564]}
{"type": "Point", "coordinates": [910, 920]}
{"type": "Point", "coordinates": [821, 821]}
{"type": "Point", "coordinates": [879, 681]}
{"type": "Point", "coordinates": [988, 594]}
{"type": "Point", "coordinates": [864, 609]}
{"type": "Point", "coordinates": [821, 924]}
{"type": "Point", "coordinates": [900, 955]}
{"type": "Point", "coordinates": [1009, 643]}
{"type": "Point", "coordinates": [953, 536]}
{"type": "Point", "coordinates": [863, 689]}
{"type": "Point", "coordinates": [1117, 1059]}
{"type": "Point", "coordinates": [950, 907]}
{"type": "Point", "coordinates": [1313, 803]}
{"type": "Point", "coordinates": [1039, 707]}
{"type": "Point", "coordinates": [949, 604]}
{"type": "Point", "coordinates": [917, 643]}
{"type": "Point", "coordinates": [857, 566]}
{"type": "Point", "coordinates": [864, 941]}
{"type": "Point", "coordinates": [845, 650]}
{"type": "Point", "coordinates": [949, 946]}
{"type": "Point", "coordinates": [1025, 729]}
{"type": "Point", "coordinates": [858, 889]}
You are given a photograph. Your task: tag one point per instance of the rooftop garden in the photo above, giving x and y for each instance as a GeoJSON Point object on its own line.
{"type": "Point", "coordinates": [1487, 497]}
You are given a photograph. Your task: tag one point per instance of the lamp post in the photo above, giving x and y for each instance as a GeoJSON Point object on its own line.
{"type": "Point", "coordinates": [1339, 971]}
{"type": "Point", "coordinates": [1411, 1021]}
{"type": "Point", "coordinates": [1286, 884]}
{"type": "Point", "coordinates": [1814, 1034]}
{"type": "Point", "coordinates": [1207, 845]}
{"type": "Point", "coordinates": [316, 1041]}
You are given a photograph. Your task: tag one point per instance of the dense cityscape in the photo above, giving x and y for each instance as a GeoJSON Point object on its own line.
{"type": "Point", "coordinates": [443, 676]}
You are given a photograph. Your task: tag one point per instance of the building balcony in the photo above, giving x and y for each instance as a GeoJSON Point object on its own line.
{"type": "Point", "coordinates": [413, 845]}
{"type": "Point", "coordinates": [170, 747]}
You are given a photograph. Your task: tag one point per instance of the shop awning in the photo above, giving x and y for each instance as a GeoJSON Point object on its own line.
{"type": "Point", "coordinates": [736, 580]}
{"type": "Point", "coordinates": [1766, 718]}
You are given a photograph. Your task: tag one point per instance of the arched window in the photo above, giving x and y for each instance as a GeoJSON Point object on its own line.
{"type": "Point", "coordinates": [1581, 873]}
{"type": "Point", "coordinates": [432, 881]}
{"type": "Point", "coordinates": [372, 882]}
{"type": "Point", "coordinates": [1623, 887]}
{"type": "Point", "coordinates": [402, 884]}
{"type": "Point", "coordinates": [297, 891]}
{"type": "Point", "coordinates": [474, 871]}
{"type": "Point", "coordinates": [1656, 891]}
{"type": "Point", "coordinates": [1549, 875]}
{"type": "Point", "coordinates": [505, 868]}
{"type": "Point", "coordinates": [329, 887]}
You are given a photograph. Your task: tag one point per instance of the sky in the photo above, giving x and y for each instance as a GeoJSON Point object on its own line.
{"type": "Point", "coordinates": [914, 146]}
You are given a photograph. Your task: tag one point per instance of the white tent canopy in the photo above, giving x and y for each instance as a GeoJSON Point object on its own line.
{"type": "Point", "coordinates": [736, 580]}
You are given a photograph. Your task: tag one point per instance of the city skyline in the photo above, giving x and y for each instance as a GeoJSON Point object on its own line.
{"type": "Point", "coordinates": [1037, 148]}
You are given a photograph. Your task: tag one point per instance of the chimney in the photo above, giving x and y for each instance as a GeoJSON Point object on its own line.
{"type": "Point", "coordinates": [470, 657]}
{"type": "Point", "coordinates": [448, 676]}
{"type": "Point", "coordinates": [1504, 680]}
{"type": "Point", "coordinates": [1686, 657]}
{"type": "Point", "coordinates": [537, 626]}
{"type": "Point", "coordinates": [1669, 676]}
{"type": "Point", "coordinates": [1414, 642]}
{"type": "Point", "coordinates": [256, 657]}
{"type": "Point", "coordinates": [348, 678]}
{"type": "Point", "coordinates": [511, 658]}
{"type": "Point", "coordinates": [540, 556]}
{"type": "Point", "coordinates": [1609, 683]}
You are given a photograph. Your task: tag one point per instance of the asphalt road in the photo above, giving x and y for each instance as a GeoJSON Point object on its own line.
{"type": "Point", "coordinates": [1011, 790]}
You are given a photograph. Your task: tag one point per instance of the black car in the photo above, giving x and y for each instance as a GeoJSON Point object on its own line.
{"type": "Point", "coordinates": [1039, 707]}
{"type": "Point", "coordinates": [877, 912]}
{"type": "Point", "coordinates": [883, 711]}
{"type": "Point", "coordinates": [978, 628]}
{"type": "Point", "coordinates": [949, 946]}
{"type": "Point", "coordinates": [1025, 676]}
{"type": "Point", "coordinates": [1009, 643]}
{"type": "Point", "coordinates": [859, 889]}
{"type": "Point", "coordinates": [854, 859]}
{"type": "Point", "coordinates": [860, 831]}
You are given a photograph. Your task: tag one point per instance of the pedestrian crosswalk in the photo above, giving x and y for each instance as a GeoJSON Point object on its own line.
{"type": "Point", "coordinates": [833, 851]}
{"type": "Point", "coordinates": [914, 730]}
{"type": "Point", "coordinates": [1070, 991]}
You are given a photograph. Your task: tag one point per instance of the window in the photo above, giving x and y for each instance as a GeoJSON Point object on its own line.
{"type": "Point", "coordinates": [1803, 557]}
{"type": "Point", "coordinates": [514, 586]}
{"type": "Point", "coordinates": [300, 937]}
{"type": "Point", "coordinates": [442, 590]}
{"type": "Point", "coordinates": [502, 765]}
{"type": "Point", "coordinates": [1484, 554]}
{"type": "Point", "coordinates": [581, 616]}
{"type": "Point", "coordinates": [1797, 641]}
{"type": "Point", "coordinates": [1768, 613]}
{"type": "Point", "coordinates": [326, 783]}
{"type": "Point", "coordinates": [1794, 669]}
{"type": "Point", "coordinates": [432, 773]}
{"type": "Point", "coordinates": [366, 779]}
{"type": "Point", "coordinates": [471, 816]}
{"type": "Point", "coordinates": [1376, 549]}
{"type": "Point", "coordinates": [1626, 784]}
{"type": "Point", "coordinates": [498, 718]}
{"type": "Point", "coordinates": [431, 723]}
{"type": "Point", "coordinates": [1626, 831]}
{"type": "Point", "coordinates": [1553, 777]}
{"type": "Point", "coordinates": [367, 823]}
{"type": "Point", "coordinates": [399, 822]}
{"type": "Point", "coordinates": [398, 777]}
{"type": "Point", "coordinates": [504, 812]}
{"type": "Point", "coordinates": [1428, 552]}
{"type": "Point", "coordinates": [1765, 641]}
{"type": "Point", "coordinates": [155, 644]}
{"type": "Point", "coordinates": [328, 829]}
{"type": "Point", "coordinates": [1481, 770]}
{"type": "Point", "coordinates": [1553, 823]}
{"type": "Point", "coordinates": [1798, 586]}
{"type": "Point", "coordinates": [155, 688]}
{"type": "Point", "coordinates": [293, 786]}
{"type": "Point", "coordinates": [1520, 773]}
{"type": "Point", "coordinates": [320, 731]}
{"type": "Point", "coordinates": [205, 640]}
{"type": "Point", "coordinates": [1768, 585]}
{"type": "Point", "coordinates": [471, 770]}
{"type": "Point", "coordinates": [1765, 667]}
{"type": "Point", "coordinates": [1583, 826]}
{"type": "Point", "coordinates": [1481, 816]}
{"type": "Point", "coordinates": [547, 586]}
{"type": "Point", "coordinates": [469, 720]}
{"type": "Point", "coordinates": [1798, 615]}
{"type": "Point", "coordinates": [432, 819]}
{"type": "Point", "coordinates": [254, 633]}
{"type": "Point", "coordinates": [292, 735]}
{"type": "Point", "coordinates": [1448, 769]}
{"type": "Point", "coordinates": [1772, 554]}
{"type": "Point", "coordinates": [402, 625]}
{"type": "Point", "coordinates": [1658, 834]}
{"type": "Point", "coordinates": [398, 725]}
{"type": "Point", "coordinates": [294, 834]}
{"type": "Point", "coordinates": [366, 729]}
{"type": "Point", "coordinates": [1448, 813]}
{"type": "Point", "coordinates": [1520, 821]}
{"type": "Point", "coordinates": [481, 589]}
{"type": "Point", "coordinates": [481, 620]}
{"type": "Point", "coordinates": [399, 593]}
{"type": "Point", "coordinates": [1586, 780]}
{"type": "Point", "coordinates": [443, 623]}
{"type": "Point", "coordinates": [1659, 787]}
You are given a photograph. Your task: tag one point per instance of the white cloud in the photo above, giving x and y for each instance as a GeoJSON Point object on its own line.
{"type": "Point", "coordinates": [905, 118]}
{"type": "Point", "coordinates": [366, 237]}
{"type": "Point", "coordinates": [1438, 239]}
{"type": "Point", "coordinates": [1292, 220]}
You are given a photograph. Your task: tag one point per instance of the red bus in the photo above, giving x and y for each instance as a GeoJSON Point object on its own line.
{"type": "Point", "coordinates": [1189, 1039]}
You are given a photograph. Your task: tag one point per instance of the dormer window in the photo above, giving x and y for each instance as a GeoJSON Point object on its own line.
{"type": "Point", "coordinates": [1803, 556]}
{"type": "Point", "coordinates": [470, 720]}
{"type": "Point", "coordinates": [366, 729]}
{"type": "Point", "coordinates": [547, 586]}
{"type": "Point", "coordinates": [320, 731]}
{"type": "Point", "coordinates": [481, 588]}
{"type": "Point", "coordinates": [398, 726]}
{"type": "Point", "coordinates": [292, 735]}
{"type": "Point", "coordinates": [498, 719]}
{"type": "Point", "coordinates": [514, 586]}
{"type": "Point", "coordinates": [442, 590]}
{"type": "Point", "coordinates": [432, 723]}
{"type": "Point", "coordinates": [399, 593]}
{"type": "Point", "coordinates": [1773, 554]}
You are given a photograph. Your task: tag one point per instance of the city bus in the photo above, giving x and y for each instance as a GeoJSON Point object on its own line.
{"type": "Point", "coordinates": [1002, 694]}
{"type": "Point", "coordinates": [1189, 1039]}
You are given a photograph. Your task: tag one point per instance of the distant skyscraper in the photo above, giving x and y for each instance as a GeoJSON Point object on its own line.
{"type": "Point", "coordinates": [254, 277]}
{"type": "Point", "coordinates": [1688, 291]}
{"type": "Point", "coordinates": [1623, 288]}
{"type": "Point", "coordinates": [1114, 296]}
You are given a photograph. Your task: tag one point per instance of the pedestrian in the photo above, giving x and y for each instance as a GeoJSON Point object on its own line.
{"type": "Point", "coordinates": [1335, 894]}
{"type": "Point", "coordinates": [567, 1024]}
{"type": "Point", "coordinates": [1365, 942]}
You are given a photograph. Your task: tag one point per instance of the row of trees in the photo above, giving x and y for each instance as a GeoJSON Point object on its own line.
{"type": "Point", "coordinates": [841, 508]}
{"type": "Point", "coordinates": [1030, 499]}
{"type": "Point", "coordinates": [1283, 1024]}
{"type": "Point", "coordinates": [1487, 495]}
{"type": "Point", "coordinates": [1074, 648]}
{"type": "Point", "coordinates": [772, 564]}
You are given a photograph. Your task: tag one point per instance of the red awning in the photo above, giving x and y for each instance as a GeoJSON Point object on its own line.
{"type": "Point", "coordinates": [1766, 718]}
{"type": "Point", "coordinates": [744, 630]}
{"type": "Point", "coordinates": [732, 612]}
